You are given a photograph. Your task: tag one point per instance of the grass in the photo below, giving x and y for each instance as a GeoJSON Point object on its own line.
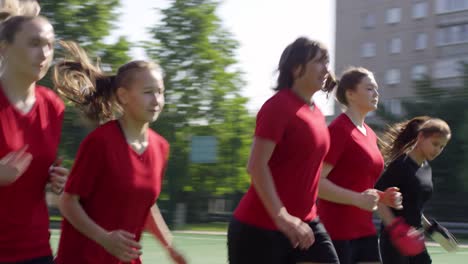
{"type": "Point", "coordinates": [198, 249]}
{"type": "Point", "coordinates": [212, 227]}
{"type": "Point", "coordinates": [211, 249]}
{"type": "Point", "coordinates": [56, 218]}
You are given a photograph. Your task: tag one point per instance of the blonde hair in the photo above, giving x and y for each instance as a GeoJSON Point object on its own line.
{"type": "Point", "coordinates": [9, 8]}
{"type": "Point", "coordinates": [13, 14]}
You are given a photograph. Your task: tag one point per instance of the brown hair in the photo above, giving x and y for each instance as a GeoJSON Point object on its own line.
{"type": "Point", "coordinates": [401, 137]}
{"type": "Point", "coordinates": [348, 81]}
{"type": "Point", "coordinates": [299, 53]}
{"type": "Point", "coordinates": [88, 87]}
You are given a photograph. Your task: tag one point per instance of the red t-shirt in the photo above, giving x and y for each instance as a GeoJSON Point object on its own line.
{"type": "Point", "coordinates": [301, 137]}
{"type": "Point", "coordinates": [357, 164]}
{"type": "Point", "coordinates": [24, 219]}
{"type": "Point", "coordinates": [117, 188]}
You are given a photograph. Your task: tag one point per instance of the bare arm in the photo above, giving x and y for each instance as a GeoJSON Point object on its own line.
{"type": "Point", "coordinates": [119, 243]}
{"type": "Point", "coordinates": [386, 214]}
{"type": "Point", "coordinates": [331, 192]}
{"type": "Point", "coordinates": [262, 179]}
{"type": "Point", "coordinates": [8, 175]}
{"type": "Point", "coordinates": [72, 210]}
{"type": "Point", "coordinates": [156, 225]}
{"type": "Point", "coordinates": [13, 165]}
{"type": "Point", "coordinates": [298, 232]}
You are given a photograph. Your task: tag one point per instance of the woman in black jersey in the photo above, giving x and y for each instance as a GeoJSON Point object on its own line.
{"type": "Point", "coordinates": [411, 145]}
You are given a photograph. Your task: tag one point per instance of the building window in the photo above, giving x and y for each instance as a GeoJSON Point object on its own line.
{"type": "Point", "coordinates": [393, 16]}
{"type": "Point", "coordinates": [449, 68]}
{"type": "Point", "coordinates": [393, 106]}
{"type": "Point", "coordinates": [445, 6]}
{"type": "Point", "coordinates": [395, 46]}
{"type": "Point", "coordinates": [392, 76]}
{"type": "Point", "coordinates": [418, 72]}
{"type": "Point", "coordinates": [421, 41]}
{"type": "Point", "coordinates": [452, 35]}
{"type": "Point", "coordinates": [368, 20]}
{"type": "Point", "coordinates": [419, 10]}
{"type": "Point", "coordinates": [368, 50]}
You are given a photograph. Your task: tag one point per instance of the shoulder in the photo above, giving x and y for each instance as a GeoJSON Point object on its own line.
{"type": "Point", "coordinates": [159, 141]}
{"type": "Point", "coordinates": [401, 165]}
{"type": "Point", "coordinates": [279, 103]}
{"type": "Point", "coordinates": [105, 132]}
{"type": "Point", "coordinates": [340, 123]}
{"type": "Point", "coordinates": [341, 127]}
{"type": "Point", "coordinates": [50, 97]}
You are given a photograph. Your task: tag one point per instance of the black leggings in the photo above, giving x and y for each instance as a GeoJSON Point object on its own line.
{"type": "Point", "coordinates": [391, 255]}
{"type": "Point", "coordinates": [248, 244]}
{"type": "Point", "coordinates": [40, 260]}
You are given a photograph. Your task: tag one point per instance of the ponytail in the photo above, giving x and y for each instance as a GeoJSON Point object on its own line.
{"type": "Point", "coordinates": [88, 88]}
{"type": "Point", "coordinates": [402, 137]}
{"type": "Point", "coordinates": [85, 85]}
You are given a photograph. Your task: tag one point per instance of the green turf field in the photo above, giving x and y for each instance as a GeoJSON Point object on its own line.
{"type": "Point", "coordinates": [211, 249]}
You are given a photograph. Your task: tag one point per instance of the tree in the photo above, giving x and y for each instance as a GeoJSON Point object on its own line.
{"type": "Point", "coordinates": [202, 98]}
{"type": "Point", "coordinates": [450, 169]}
{"type": "Point", "coordinates": [87, 23]}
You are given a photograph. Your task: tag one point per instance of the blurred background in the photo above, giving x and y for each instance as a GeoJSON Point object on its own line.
{"type": "Point", "coordinates": [219, 59]}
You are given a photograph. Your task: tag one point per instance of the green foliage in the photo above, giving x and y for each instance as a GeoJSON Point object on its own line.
{"type": "Point", "coordinates": [202, 98]}
{"type": "Point", "coordinates": [116, 55]}
{"type": "Point", "coordinates": [87, 23]}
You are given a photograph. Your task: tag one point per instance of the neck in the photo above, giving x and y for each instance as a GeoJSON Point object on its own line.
{"type": "Point", "coordinates": [356, 116]}
{"type": "Point", "coordinates": [416, 155]}
{"type": "Point", "coordinates": [17, 89]}
{"type": "Point", "coordinates": [303, 92]}
{"type": "Point", "coordinates": [134, 130]}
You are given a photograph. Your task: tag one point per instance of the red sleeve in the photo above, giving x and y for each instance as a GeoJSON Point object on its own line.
{"type": "Point", "coordinates": [272, 120]}
{"type": "Point", "coordinates": [86, 168]}
{"type": "Point", "coordinates": [338, 140]}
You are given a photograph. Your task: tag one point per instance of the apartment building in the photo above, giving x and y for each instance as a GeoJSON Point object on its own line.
{"type": "Point", "coordinates": [402, 41]}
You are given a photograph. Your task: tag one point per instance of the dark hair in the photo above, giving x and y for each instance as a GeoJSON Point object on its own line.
{"type": "Point", "coordinates": [299, 53]}
{"type": "Point", "coordinates": [401, 137]}
{"type": "Point", "coordinates": [88, 87]}
{"type": "Point", "coordinates": [348, 81]}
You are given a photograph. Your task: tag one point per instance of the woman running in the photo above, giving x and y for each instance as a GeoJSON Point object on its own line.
{"type": "Point", "coordinates": [409, 147]}
{"type": "Point", "coordinates": [30, 126]}
{"type": "Point", "coordinates": [110, 196]}
{"type": "Point", "coordinates": [276, 220]}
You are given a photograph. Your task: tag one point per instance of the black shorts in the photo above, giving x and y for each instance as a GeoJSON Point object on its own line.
{"type": "Point", "coordinates": [391, 255]}
{"type": "Point", "coordinates": [364, 249]}
{"type": "Point", "coordinates": [41, 260]}
{"type": "Point", "coordinates": [252, 245]}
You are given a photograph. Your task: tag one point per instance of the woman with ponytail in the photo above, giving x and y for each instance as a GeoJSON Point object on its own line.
{"type": "Point", "coordinates": [30, 126]}
{"type": "Point", "coordinates": [407, 149]}
{"type": "Point", "coordinates": [111, 195]}
{"type": "Point", "coordinates": [351, 168]}
{"type": "Point", "coordinates": [276, 221]}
